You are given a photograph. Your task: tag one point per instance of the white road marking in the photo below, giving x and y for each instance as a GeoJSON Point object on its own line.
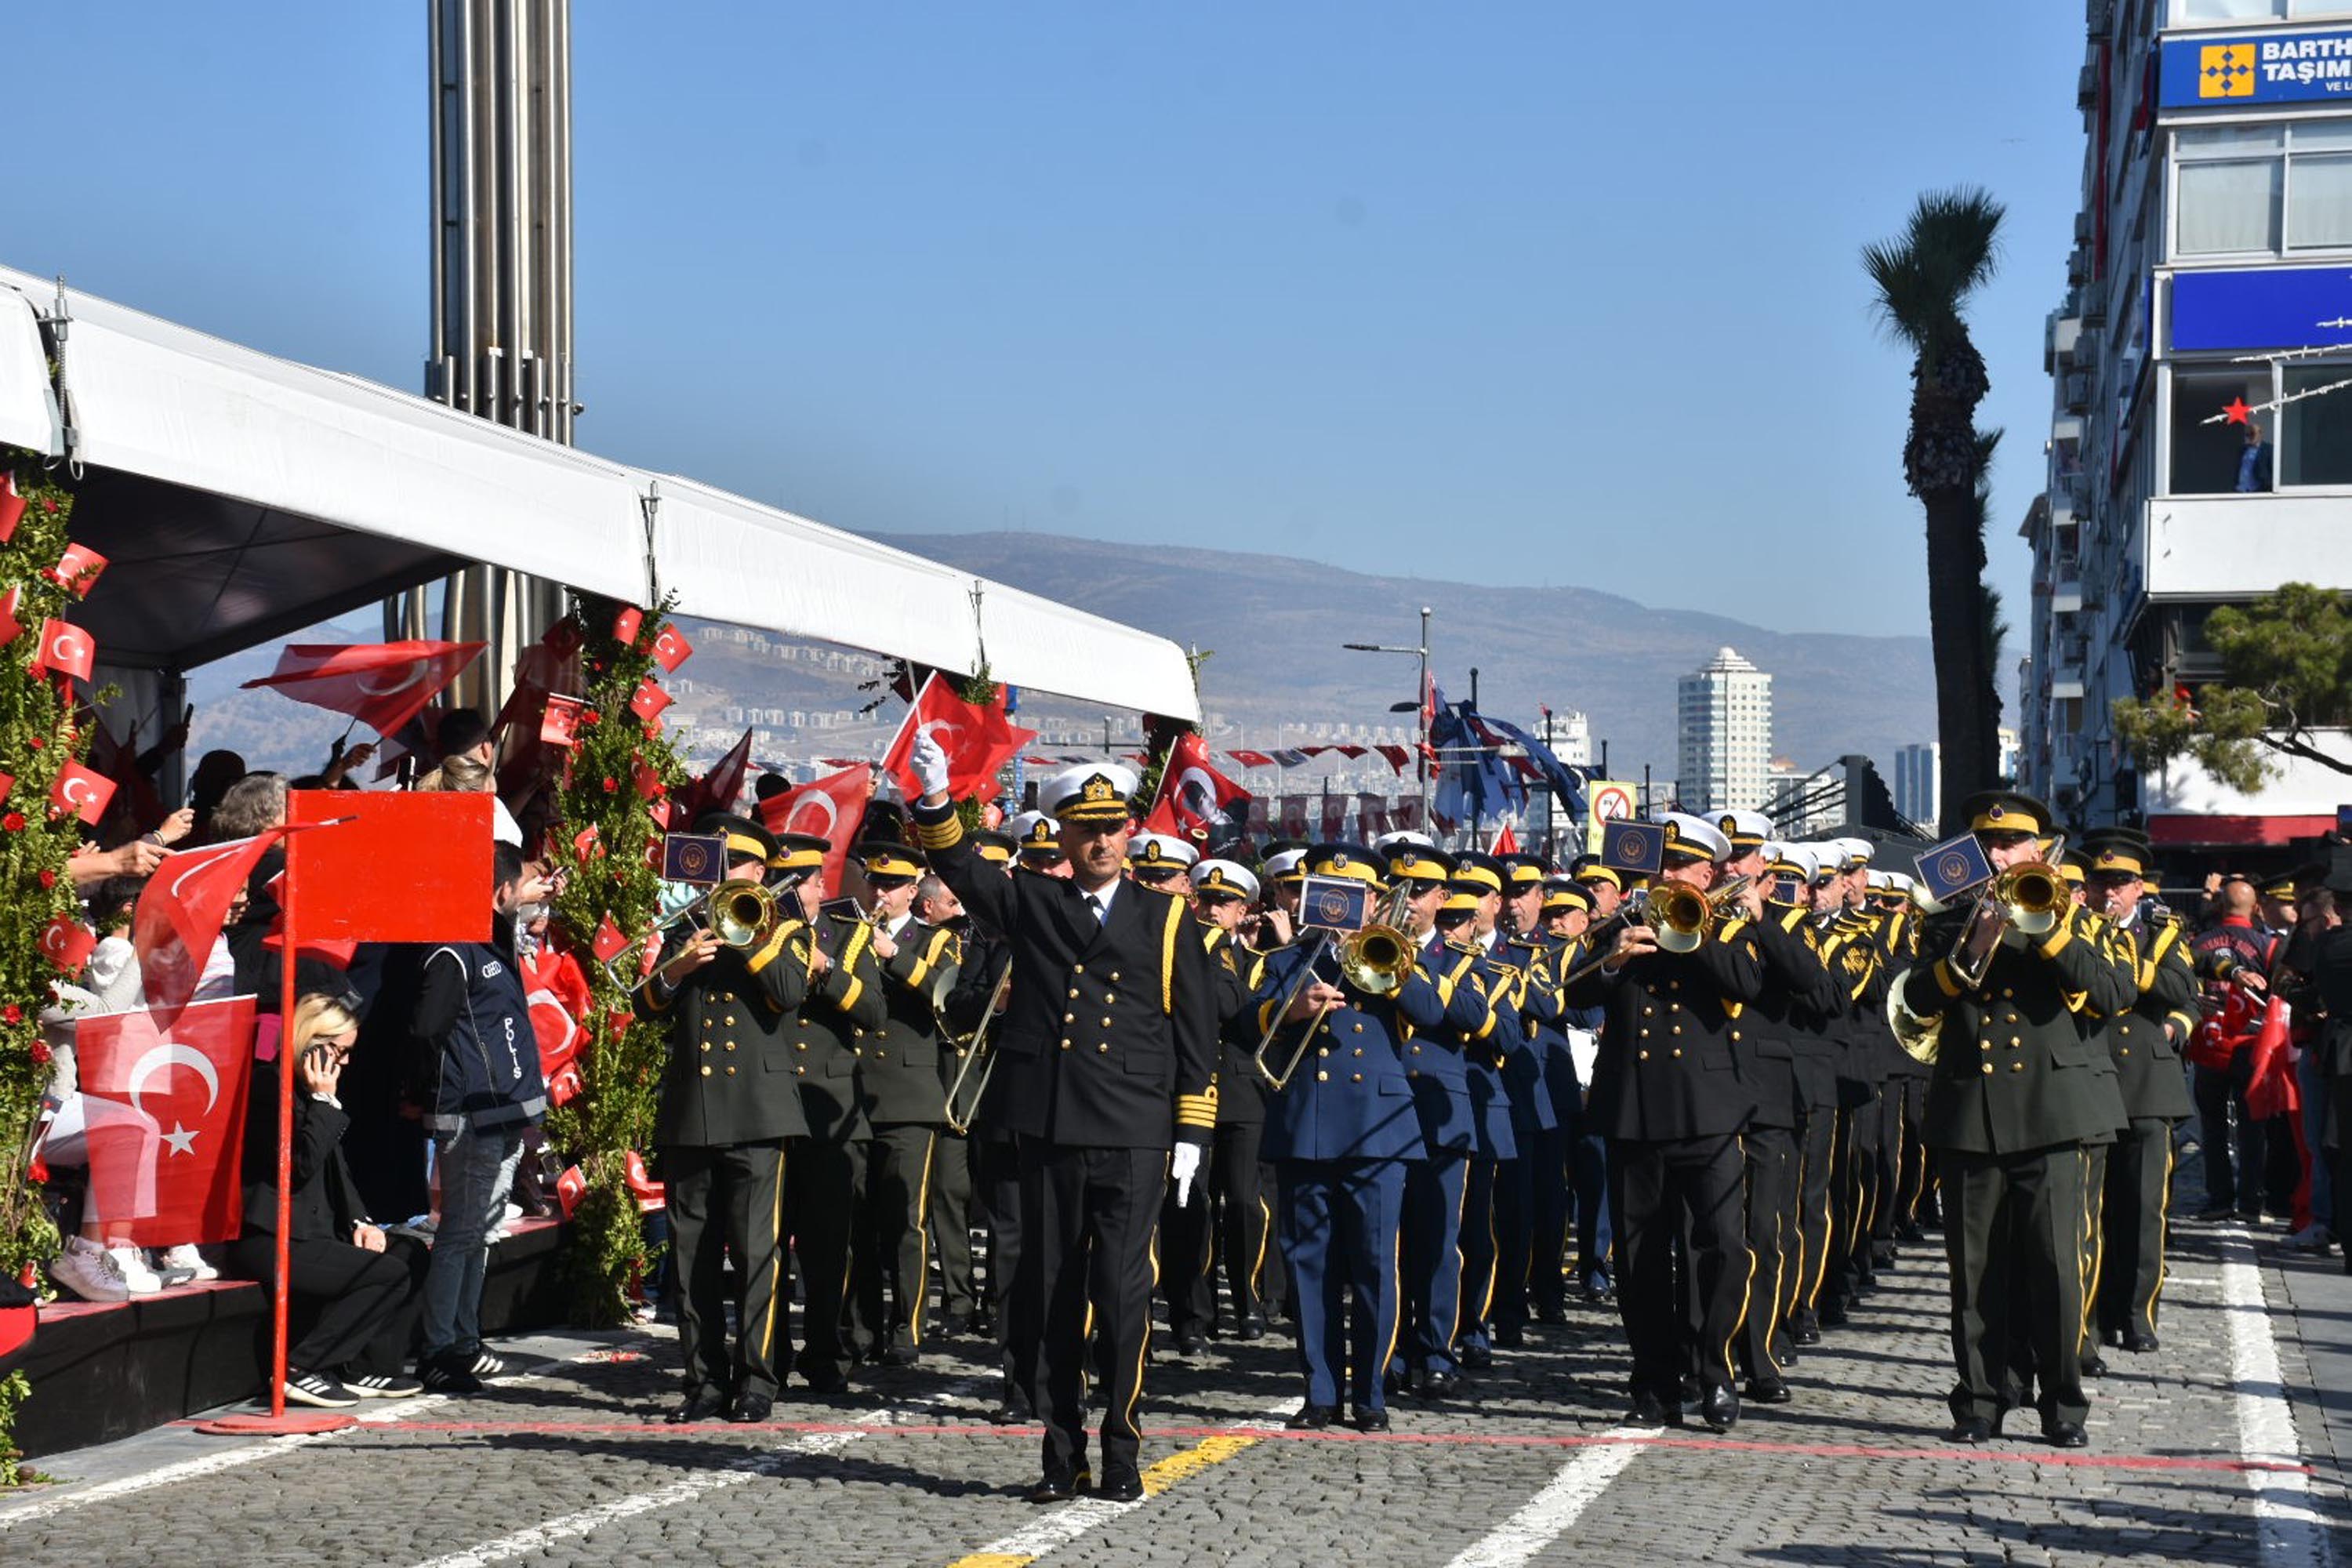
{"type": "Point", "coordinates": [2286, 1528]}
{"type": "Point", "coordinates": [1552, 1511]}
{"type": "Point", "coordinates": [750, 1467]}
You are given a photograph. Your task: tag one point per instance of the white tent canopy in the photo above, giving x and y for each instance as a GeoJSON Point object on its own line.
{"type": "Point", "coordinates": [240, 497]}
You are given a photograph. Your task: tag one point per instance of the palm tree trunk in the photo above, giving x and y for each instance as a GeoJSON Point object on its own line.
{"type": "Point", "coordinates": [1956, 624]}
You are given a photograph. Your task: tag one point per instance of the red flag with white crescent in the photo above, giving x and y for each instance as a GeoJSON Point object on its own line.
{"type": "Point", "coordinates": [167, 1121]}
{"type": "Point", "coordinates": [382, 685]}
{"type": "Point", "coordinates": [978, 739]}
{"type": "Point", "coordinates": [649, 700]}
{"type": "Point", "coordinates": [68, 943]}
{"type": "Point", "coordinates": [180, 914]}
{"type": "Point", "coordinates": [80, 791]}
{"type": "Point", "coordinates": [829, 808]}
{"type": "Point", "coordinates": [77, 570]}
{"type": "Point", "coordinates": [671, 649]}
{"type": "Point", "coordinates": [1199, 798]}
{"type": "Point", "coordinates": [66, 650]}
{"type": "Point", "coordinates": [719, 789]}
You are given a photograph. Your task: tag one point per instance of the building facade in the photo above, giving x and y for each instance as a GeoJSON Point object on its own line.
{"type": "Point", "coordinates": [2201, 443]}
{"type": "Point", "coordinates": [1918, 782]}
{"type": "Point", "coordinates": [1724, 710]}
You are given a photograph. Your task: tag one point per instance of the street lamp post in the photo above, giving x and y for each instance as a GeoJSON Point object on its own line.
{"type": "Point", "coordinates": [1419, 703]}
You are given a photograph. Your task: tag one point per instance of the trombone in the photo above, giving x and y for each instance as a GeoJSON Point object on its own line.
{"type": "Point", "coordinates": [2032, 896]}
{"type": "Point", "coordinates": [965, 1093]}
{"type": "Point", "coordinates": [1376, 959]}
{"type": "Point", "coordinates": [1678, 912]}
{"type": "Point", "coordinates": [739, 910]}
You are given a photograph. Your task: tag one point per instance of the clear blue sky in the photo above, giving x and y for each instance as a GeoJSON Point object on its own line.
{"type": "Point", "coordinates": [1551, 292]}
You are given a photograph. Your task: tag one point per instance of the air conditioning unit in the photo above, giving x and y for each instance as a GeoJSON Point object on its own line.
{"type": "Point", "coordinates": [2078, 266]}
{"type": "Point", "coordinates": [2086, 88]}
{"type": "Point", "coordinates": [2094, 308]}
{"type": "Point", "coordinates": [2075, 387]}
{"type": "Point", "coordinates": [2097, 14]}
{"type": "Point", "coordinates": [2087, 346]}
{"type": "Point", "coordinates": [2083, 228]}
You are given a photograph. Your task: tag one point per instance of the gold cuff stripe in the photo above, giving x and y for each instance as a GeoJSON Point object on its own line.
{"type": "Point", "coordinates": [942, 835]}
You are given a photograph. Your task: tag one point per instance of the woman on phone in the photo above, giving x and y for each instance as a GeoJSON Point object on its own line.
{"type": "Point", "coordinates": [355, 1288]}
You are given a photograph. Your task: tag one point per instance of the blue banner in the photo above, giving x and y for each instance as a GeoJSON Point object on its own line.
{"type": "Point", "coordinates": [2269, 308]}
{"type": "Point", "coordinates": [2203, 70]}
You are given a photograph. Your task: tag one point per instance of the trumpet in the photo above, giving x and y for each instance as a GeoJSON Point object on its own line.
{"type": "Point", "coordinates": [738, 911]}
{"type": "Point", "coordinates": [965, 1092]}
{"type": "Point", "coordinates": [2032, 896]}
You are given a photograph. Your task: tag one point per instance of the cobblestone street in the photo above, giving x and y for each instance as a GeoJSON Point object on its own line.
{"type": "Point", "coordinates": [2194, 1458]}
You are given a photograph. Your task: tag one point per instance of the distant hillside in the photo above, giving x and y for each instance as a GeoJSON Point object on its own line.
{"type": "Point", "coordinates": [1274, 626]}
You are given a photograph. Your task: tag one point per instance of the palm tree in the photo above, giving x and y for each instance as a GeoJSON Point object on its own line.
{"type": "Point", "coordinates": [1923, 278]}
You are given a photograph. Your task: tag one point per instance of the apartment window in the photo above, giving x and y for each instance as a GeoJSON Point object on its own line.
{"type": "Point", "coordinates": [2263, 189]}
{"type": "Point", "coordinates": [2315, 434]}
{"type": "Point", "coordinates": [2206, 458]}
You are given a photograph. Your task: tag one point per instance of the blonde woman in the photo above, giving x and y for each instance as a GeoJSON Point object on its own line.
{"type": "Point", "coordinates": [354, 1288]}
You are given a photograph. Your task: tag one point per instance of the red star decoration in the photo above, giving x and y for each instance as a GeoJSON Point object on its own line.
{"type": "Point", "coordinates": [2238, 411]}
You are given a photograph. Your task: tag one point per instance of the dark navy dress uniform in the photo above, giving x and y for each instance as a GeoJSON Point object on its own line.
{"type": "Point", "coordinates": [1497, 1065]}
{"type": "Point", "coordinates": [1106, 1059]}
{"type": "Point", "coordinates": [1437, 1069]}
{"type": "Point", "coordinates": [1342, 1134]}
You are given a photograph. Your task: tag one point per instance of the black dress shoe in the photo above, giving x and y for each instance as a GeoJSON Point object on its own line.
{"type": "Point", "coordinates": [1552, 1317]}
{"type": "Point", "coordinates": [1313, 1418]}
{"type": "Point", "coordinates": [751, 1408]}
{"type": "Point", "coordinates": [1253, 1327]}
{"type": "Point", "coordinates": [1971, 1429]}
{"type": "Point", "coordinates": [1476, 1358]}
{"type": "Point", "coordinates": [1831, 1316]}
{"type": "Point", "coordinates": [1436, 1385]}
{"type": "Point", "coordinates": [1057, 1486]}
{"type": "Point", "coordinates": [1767, 1390]}
{"type": "Point", "coordinates": [2138, 1339]}
{"type": "Point", "coordinates": [2066, 1435]}
{"type": "Point", "coordinates": [826, 1384]}
{"type": "Point", "coordinates": [1510, 1336]}
{"type": "Point", "coordinates": [1882, 1255]}
{"type": "Point", "coordinates": [706, 1407]}
{"type": "Point", "coordinates": [978, 1325]}
{"type": "Point", "coordinates": [1370, 1421]}
{"type": "Point", "coordinates": [1805, 1332]}
{"type": "Point", "coordinates": [1648, 1410]}
{"type": "Point", "coordinates": [1719, 1409]}
{"type": "Point", "coordinates": [2094, 1364]}
{"type": "Point", "coordinates": [1183, 1347]}
{"type": "Point", "coordinates": [900, 1356]}
{"type": "Point", "coordinates": [1120, 1486]}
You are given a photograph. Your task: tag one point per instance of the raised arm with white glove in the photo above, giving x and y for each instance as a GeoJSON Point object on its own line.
{"type": "Point", "coordinates": [929, 760]}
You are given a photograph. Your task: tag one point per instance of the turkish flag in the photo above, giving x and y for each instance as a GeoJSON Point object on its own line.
{"type": "Point", "coordinates": [609, 944]}
{"type": "Point", "coordinates": [1395, 757]}
{"type": "Point", "coordinates": [559, 997]}
{"type": "Point", "coordinates": [85, 792]}
{"type": "Point", "coordinates": [11, 628]}
{"type": "Point", "coordinates": [12, 505]}
{"type": "Point", "coordinates": [1198, 798]}
{"type": "Point", "coordinates": [180, 914]}
{"type": "Point", "coordinates": [1506, 842]}
{"type": "Point", "coordinates": [558, 723]}
{"type": "Point", "coordinates": [626, 624]}
{"type": "Point", "coordinates": [978, 741]}
{"type": "Point", "coordinates": [382, 685]}
{"type": "Point", "coordinates": [66, 943]}
{"type": "Point", "coordinates": [647, 779]}
{"type": "Point", "coordinates": [2271, 1089]}
{"type": "Point", "coordinates": [1251, 759]}
{"type": "Point", "coordinates": [77, 570]}
{"type": "Point", "coordinates": [671, 648]}
{"type": "Point", "coordinates": [164, 1158]}
{"type": "Point", "coordinates": [649, 701]}
{"type": "Point", "coordinates": [830, 807]}
{"type": "Point", "coordinates": [719, 789]}
{"type": "Point", "coordinates": [66, 650]}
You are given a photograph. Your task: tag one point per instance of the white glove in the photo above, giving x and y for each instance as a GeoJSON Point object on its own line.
{"type": "Point", "coordinates": [1185, 1164]}
{"type": "Point", "coordinates": [930, 765]}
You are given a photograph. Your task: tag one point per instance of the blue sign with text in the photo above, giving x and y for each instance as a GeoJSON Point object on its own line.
{"type": "Point", "coordinates": [2271, 308]}
{"type": "Point", "coordinates": [2202, 71]}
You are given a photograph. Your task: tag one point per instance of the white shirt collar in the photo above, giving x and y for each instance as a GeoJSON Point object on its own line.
{"type": "Point", "coordinates": [1103, 896]}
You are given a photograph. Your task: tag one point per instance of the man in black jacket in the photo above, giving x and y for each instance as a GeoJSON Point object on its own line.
{"type": "Point", "coordinates": [1107, 1055]}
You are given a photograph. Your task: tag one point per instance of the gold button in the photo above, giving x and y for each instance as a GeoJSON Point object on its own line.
{"type": "Point", "coordinates": [1114, 974]}
{"type": "Point", "coordinates": [1984, 1045]}
{"type": "Point", "coordinates": [1069, 1017]}
{"type": "Point", "coordinates": [1358, 1027]}
{"type": "Point", "coordinates": [1359, 1078]}
{"type": "Point", "coordinates": [1104, 1048]}
{"type": "Point", "coordinates": [1735, 1037]}
{"type": "Point", "coordinates": [1322, 1078]}
{"type": "Point", "coordinates": [2017, 1067]}
{"type": "Point", "coordinates": [2123, 1051]}
{"type": "Point", "coordinates": [1646, 1056]}
{"type": "Point", "coordinates": [800, 1045]}
{"type": "Point", "coordinates": [2014, 1041]}
{"type": "Point", "coordinates": [1106, 1023]}
{"type": "Point", "coordinates": [860, 1034]}
{"type": "Point", "coordinates": [1413, 1072]}
{"type": "Point", "coordinates": [1360, 1050]}
{"type": "Point", "coordinates": [1988, 1067]}
{"type": "Point", "coordinates": [804, 1025]}
{"type": "Point", "coordinates": [1676, 1029]}
{"type": "Point", "coordinates": [1065, 1045]}
{"type": "Point", "coordinates": [1648, 1012]}
{"type": "Point", "coordinates": [731, 1020]}
{"type": "Point", "coordinates": [1073, 992]}
{"type": "Point", "coordinates": [706, 1069]}
{"type": "Point", "coordinates": [1324, 1052]}
{"type": "Point", "coordinates": [1678, 1051]}
{"type": "Point", "coordinates": [706, 1047]}
{"type": "Point", "coordinates": [730, 1072]}
{"type": "Point", "coordinates": [1646, 1034]}
{"type": "Point", "coordinates": [2006, 993]}
{"type": "Point", "coordinates": [1416, 1050]}
{"type": "Point", "coordinates": [1674, 984]}
{"type": "Point", "coordinates": [800, 1072]}
{"type": "Point", "coordinates": [881, 1055]}
{"type": "Point", "coordinates": [731, 1045]}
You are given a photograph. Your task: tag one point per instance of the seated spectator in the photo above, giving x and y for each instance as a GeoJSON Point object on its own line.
{"type": "Point", "coordinates": [361, 1284]}
{"type": "Point", "coordinates": [482, 1087]}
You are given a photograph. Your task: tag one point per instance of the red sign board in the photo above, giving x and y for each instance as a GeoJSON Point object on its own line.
{"type": "Point", "coordinates": [404, 868]}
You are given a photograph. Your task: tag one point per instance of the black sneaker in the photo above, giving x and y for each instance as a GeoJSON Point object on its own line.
{"type": "Point", "coordinates": [484, 1365]}
{"type": "Point", "coordinates": [383, 1385]}
{"type": "Point", "coordinates": [316, 1388]}
{"type": "Point", "coordinates": [447, 1376]}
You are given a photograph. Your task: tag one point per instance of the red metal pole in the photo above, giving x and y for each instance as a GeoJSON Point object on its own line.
{"type": "Point", "coordinates": [287, 1067]}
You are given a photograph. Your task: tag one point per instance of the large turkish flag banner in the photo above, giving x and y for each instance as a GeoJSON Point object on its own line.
{"type": "Point", "coordinates": [166, 1128]}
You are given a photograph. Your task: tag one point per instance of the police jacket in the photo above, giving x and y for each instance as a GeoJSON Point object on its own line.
{"type": "Point", "coordinates": [1673, 1053]}
{"type": "Point", "coordinates": [900, 1068]}
{"type": "Point", "coordinates": [2013, 1068]}
{"type": "Point", "coordinates": [733, 1024]}
{"type": "Point", "coordinates": [842, 1009]}
{"type": "Point", "coordinates": [1109, 1038]}
{"type": "Point", "coordinates": [471, 1009]}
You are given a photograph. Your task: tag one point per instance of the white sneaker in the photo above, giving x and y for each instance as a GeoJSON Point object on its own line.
{"type": "Point", "coordinates": [185, 1255]}
{"type": "Point", "coordinates": [2310, 1238]}
{"type": "Point", "coordinates": [87, 1270]}
{"type": "Point", "coordinates": [513, 1213]}
{"type": "Point", "coordinates": [129, 1262]}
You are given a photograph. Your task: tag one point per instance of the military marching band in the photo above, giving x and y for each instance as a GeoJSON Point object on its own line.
{"type": "Point", "coordinates": [1723, 1079]}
